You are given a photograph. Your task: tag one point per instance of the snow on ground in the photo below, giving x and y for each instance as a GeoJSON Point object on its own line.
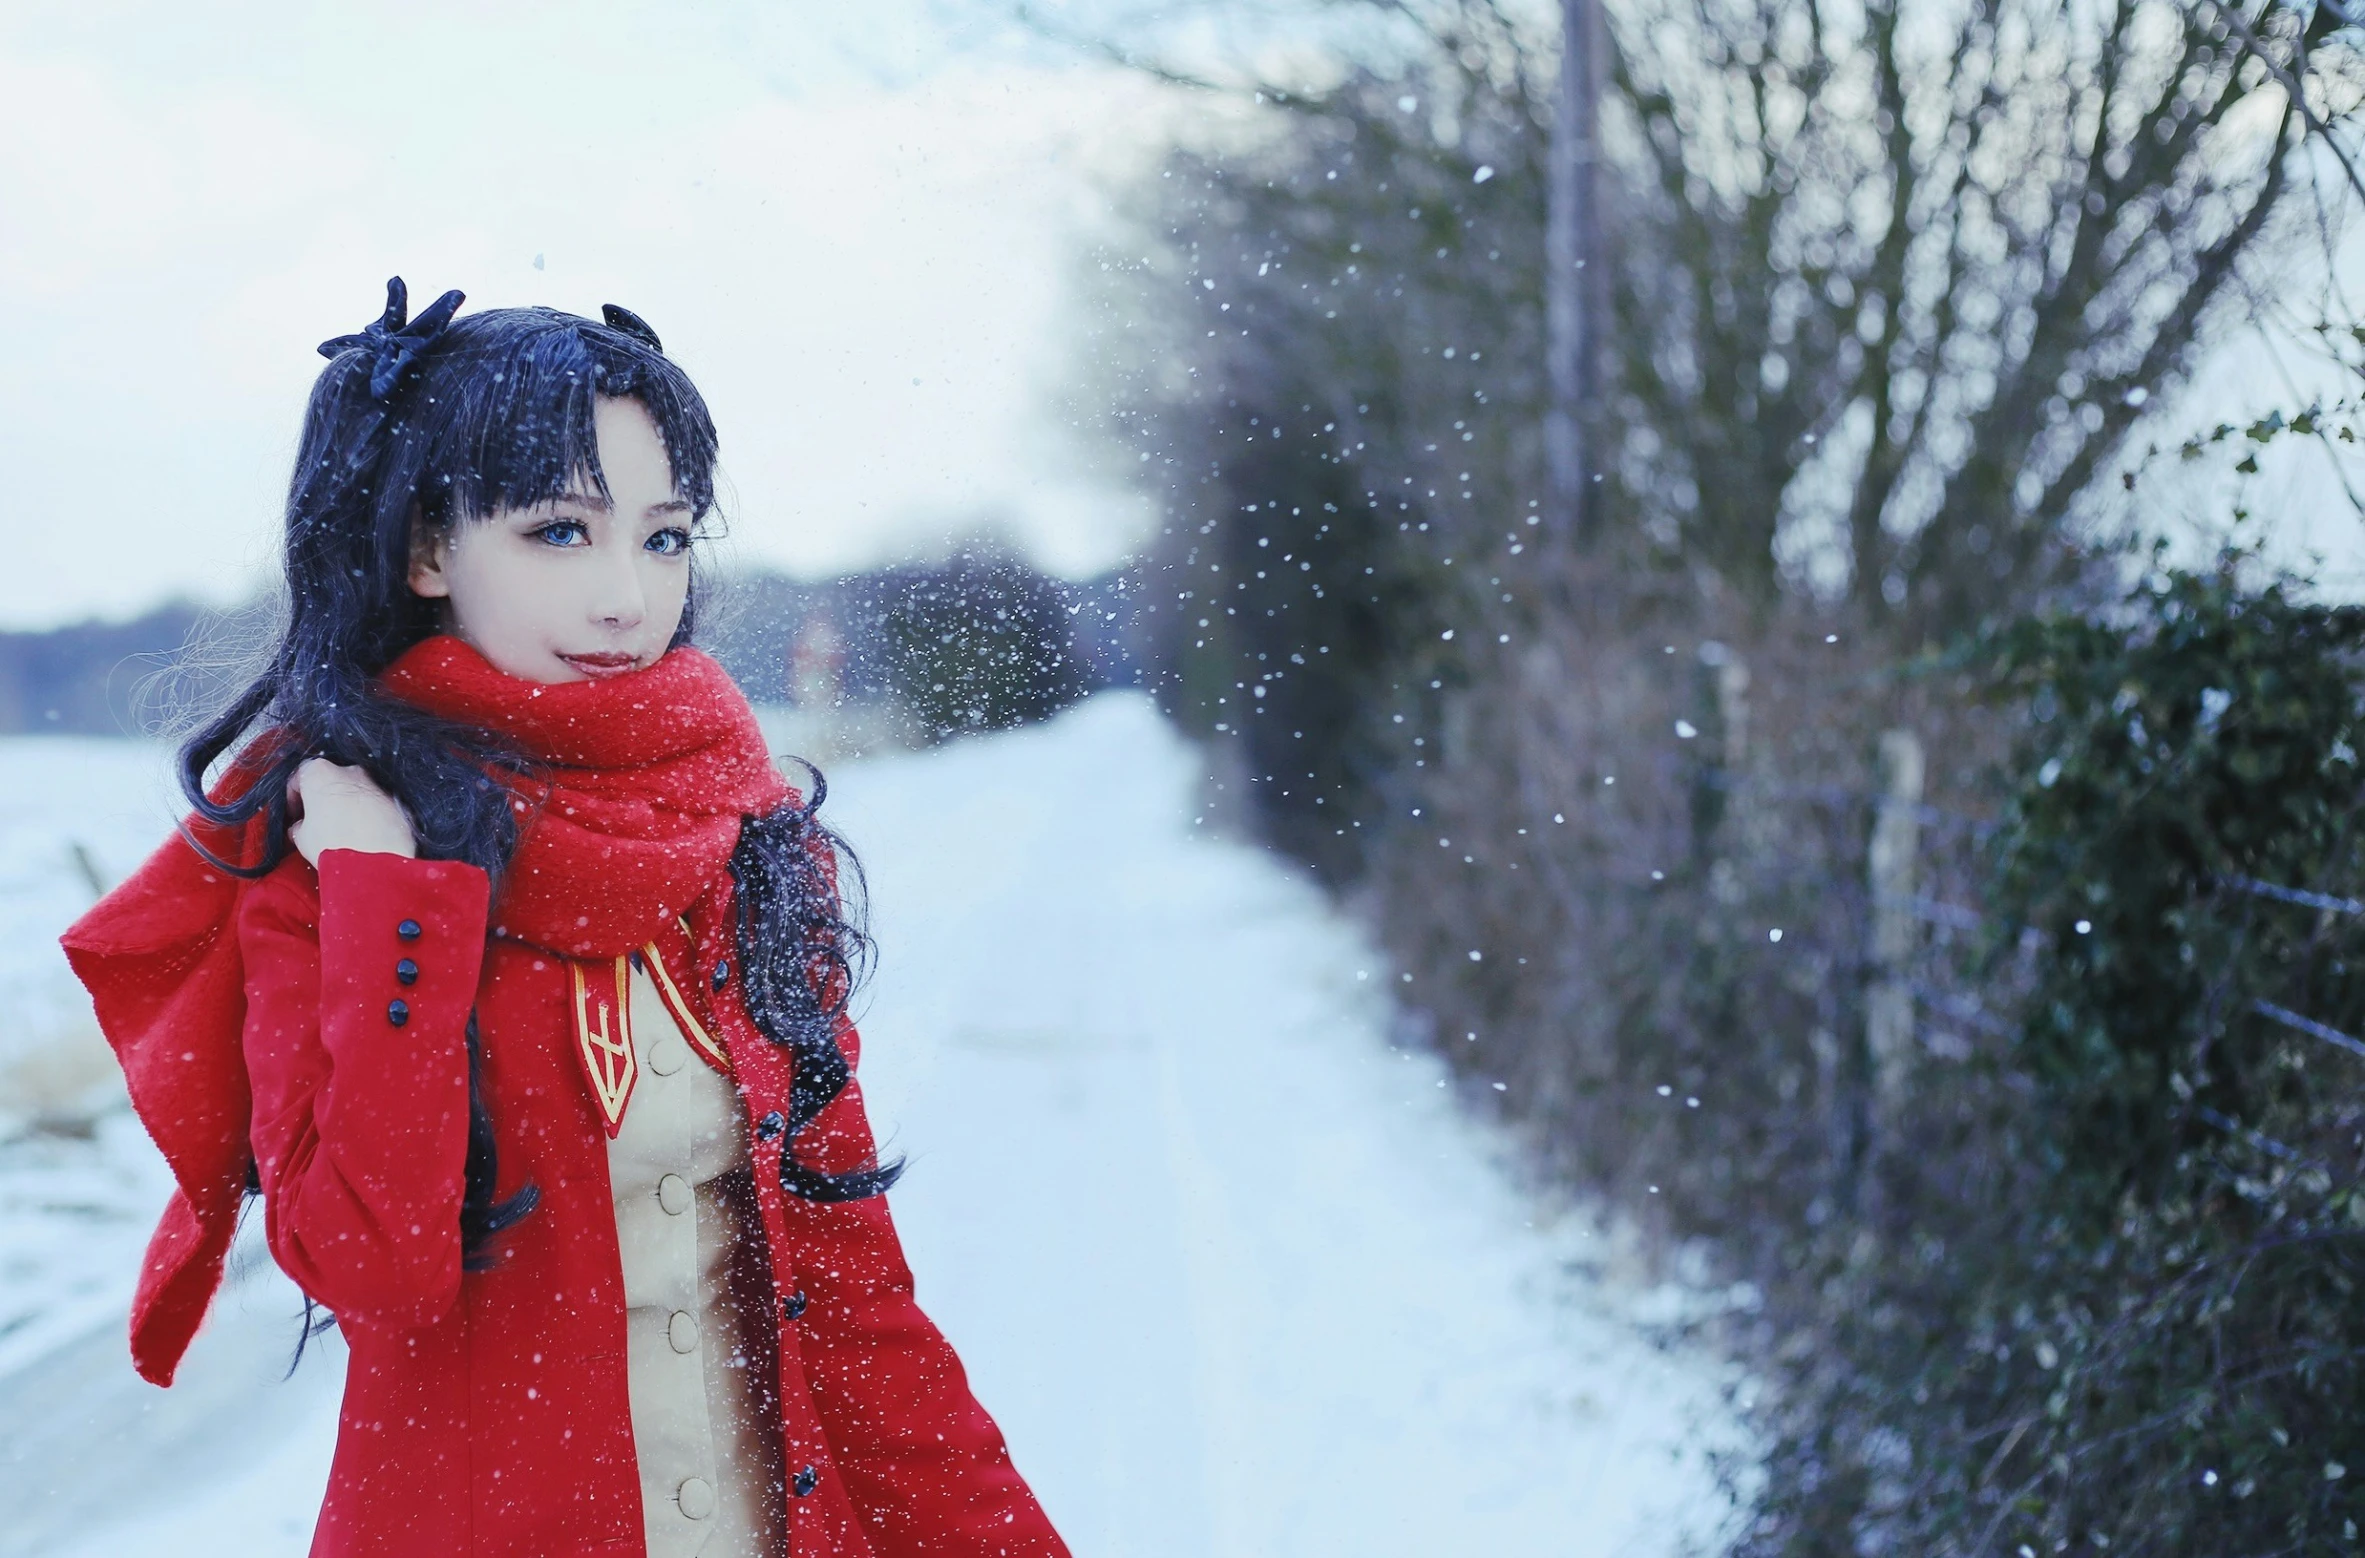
{"type": "Point", "coordinates": [74, 1214]}
{"type": "Point", "coordinates": [57, 794]}
{"type": "Point", "coordinates": [1237, 1277]}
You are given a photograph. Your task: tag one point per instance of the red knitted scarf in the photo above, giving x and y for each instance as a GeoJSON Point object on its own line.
{"type": "Point", "coordinates": [640, 782]}
{"type": "Point", "coordinates": [637, 787]}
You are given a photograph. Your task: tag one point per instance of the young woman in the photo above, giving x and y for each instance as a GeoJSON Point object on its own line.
{"type": "Point", "coordinates": [502, 964]}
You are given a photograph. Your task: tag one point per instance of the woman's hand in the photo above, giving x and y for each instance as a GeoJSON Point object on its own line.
{"type": "Point", "coordinates": [336, 807]}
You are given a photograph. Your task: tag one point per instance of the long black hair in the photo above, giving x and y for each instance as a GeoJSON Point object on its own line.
{"type": "Point", "coordinates": [441, 422]}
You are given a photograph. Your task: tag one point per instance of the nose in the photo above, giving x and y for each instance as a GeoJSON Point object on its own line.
{"type": "Point", "coordinates": [618, 602]}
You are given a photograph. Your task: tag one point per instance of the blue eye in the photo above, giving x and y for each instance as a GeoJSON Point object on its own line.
{"type": "Point", "coordinates": [564, 532]}
{"type": "Point", "coordinates": [669, 542]}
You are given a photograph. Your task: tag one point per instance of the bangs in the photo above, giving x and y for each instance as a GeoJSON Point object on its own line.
{"type": "Point", "coordinates": [506, 405]}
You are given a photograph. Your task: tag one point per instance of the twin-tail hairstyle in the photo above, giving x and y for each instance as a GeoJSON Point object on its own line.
{"type": "Point", "coordinates": [440, 422]}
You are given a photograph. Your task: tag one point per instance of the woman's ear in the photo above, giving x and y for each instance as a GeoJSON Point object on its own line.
{"type": "Point", "coordinates": [431, 548]}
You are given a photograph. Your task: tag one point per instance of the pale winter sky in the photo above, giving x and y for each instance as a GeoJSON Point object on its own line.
{"type": "Point", "coordinates": [855, 225]}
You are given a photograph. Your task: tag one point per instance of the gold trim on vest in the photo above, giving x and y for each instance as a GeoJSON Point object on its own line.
{"type": "Point", "coordinates": [684, 1018]}
{"type": "Point", "coordinates": [603, 1036]}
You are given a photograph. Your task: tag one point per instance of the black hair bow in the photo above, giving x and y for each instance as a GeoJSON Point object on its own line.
{"type": "Point", "coordinates": [394, 339]}
{"type": "Point", "coordinates": [627, 322]}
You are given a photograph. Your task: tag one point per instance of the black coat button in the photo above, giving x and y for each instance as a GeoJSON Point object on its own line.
{"type": "Point", "coordinates": [807, 1480]}
{"type": "Point", "coordinates": [771, 1125]}
{"type": "Point", "coordinates": [407, 972]}
{"type": "Point", "coordinates": [722, 974]}
{"type": "Point", "coordinates": [398, 1012]}
{"type": "Point", "coordinates": [408, 930]}
{"type": "Point", "coordinates": [793, 1306]}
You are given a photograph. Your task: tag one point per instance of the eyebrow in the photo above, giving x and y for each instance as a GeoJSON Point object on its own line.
{"type": "Point", "coordinates": [592, 500]}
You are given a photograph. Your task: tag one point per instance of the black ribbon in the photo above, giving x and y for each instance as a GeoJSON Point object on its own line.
{"type": "Point", "coordinates": [627, 322]}
{"type": "Point", "coordinates": [394, 339]}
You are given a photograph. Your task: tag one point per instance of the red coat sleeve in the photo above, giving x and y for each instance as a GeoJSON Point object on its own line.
{"type": "Point", "coordinates": [360, 1074]}
{"type": "Point", "coordinates": [922, 1461]}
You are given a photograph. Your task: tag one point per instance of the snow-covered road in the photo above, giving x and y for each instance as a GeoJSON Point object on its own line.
{"type": "Point", "coordinates": [1238, 1278]}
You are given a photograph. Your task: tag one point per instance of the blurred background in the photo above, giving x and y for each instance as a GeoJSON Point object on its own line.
{"type": "Point", "coordinates": [1608, 748]}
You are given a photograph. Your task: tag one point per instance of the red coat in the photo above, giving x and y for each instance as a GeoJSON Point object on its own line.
{"type": "Point", "coordinates": [486, 1413]}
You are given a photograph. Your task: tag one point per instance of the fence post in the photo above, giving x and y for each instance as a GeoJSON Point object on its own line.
{"type": "Point", "coordinates": [1743, 808]}
{"type": "Point", "coordinates": [1732, 709]}
{"type": "Point", "coordinates": [1717, 801]}
{"type": "Point", "coordinates": [1888, 997]}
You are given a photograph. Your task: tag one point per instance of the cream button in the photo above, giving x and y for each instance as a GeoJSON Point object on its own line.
{"type": "Point", "coordinates": [696, 1497]}
{"type": "Point", "coordinates": [673, 1194]}
{"type": "Point", "coordinates": [667, 1055]}
{"type": "Point", "coordinates": [681, 1332]}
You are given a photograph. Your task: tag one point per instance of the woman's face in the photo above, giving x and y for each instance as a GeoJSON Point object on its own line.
{"type": "Point", "coordinates": [579, 587]}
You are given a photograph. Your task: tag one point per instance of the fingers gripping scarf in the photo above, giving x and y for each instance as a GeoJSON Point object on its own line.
{"type": "Point", "coordinates": [638, 786]}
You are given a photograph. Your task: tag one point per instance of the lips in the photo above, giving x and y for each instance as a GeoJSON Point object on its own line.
{"type": "Point", "coordinates": [611, 664]}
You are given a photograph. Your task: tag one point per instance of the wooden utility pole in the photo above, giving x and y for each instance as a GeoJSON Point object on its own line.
{"type": "Point", "coordinates": [1576, 292]}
